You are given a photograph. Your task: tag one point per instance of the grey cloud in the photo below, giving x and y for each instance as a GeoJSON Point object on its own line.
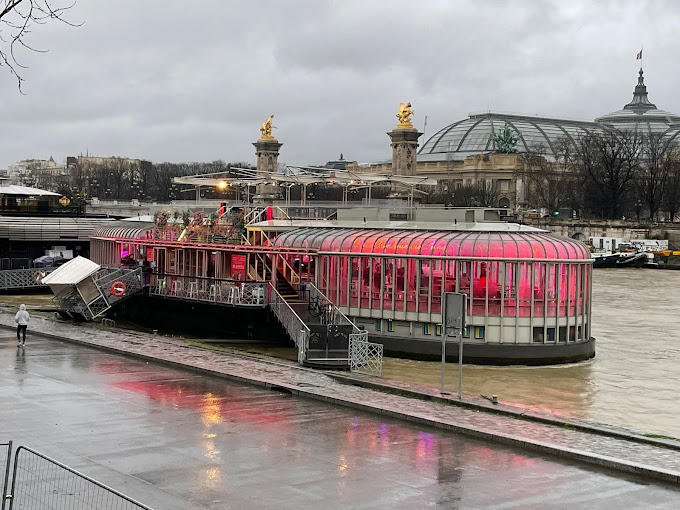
{"type": "Point", "coordinates": [154, 79]}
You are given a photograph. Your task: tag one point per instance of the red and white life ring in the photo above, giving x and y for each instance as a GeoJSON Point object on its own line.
{"type": "Point", "coordinates": [117, 288]}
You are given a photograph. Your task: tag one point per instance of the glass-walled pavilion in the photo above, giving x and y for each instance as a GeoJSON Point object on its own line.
{"type": "Point", "coordinates": [524, 287]}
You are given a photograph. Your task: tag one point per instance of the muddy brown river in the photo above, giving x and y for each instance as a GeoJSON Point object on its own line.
{"type": "Point", "coordinates": [633, 381]}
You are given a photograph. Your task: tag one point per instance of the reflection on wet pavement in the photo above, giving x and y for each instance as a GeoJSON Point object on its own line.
{"type": "Point", "coordinates": [175, 440]}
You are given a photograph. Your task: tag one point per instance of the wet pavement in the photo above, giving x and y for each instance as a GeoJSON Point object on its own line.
{"type": "Point", "coordinates": [92, 379]}
{"type": "Point", "coordinates": [173, 439]}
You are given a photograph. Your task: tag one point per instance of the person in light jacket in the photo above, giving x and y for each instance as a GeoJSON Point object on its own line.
{"type": "Point", "coordinates": [22, 318]}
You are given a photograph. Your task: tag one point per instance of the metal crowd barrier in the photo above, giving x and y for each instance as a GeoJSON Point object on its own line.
{"type": "Point", "coordinates": [39, 482]}
{"type": "Point", "coordinates": [365, 357]}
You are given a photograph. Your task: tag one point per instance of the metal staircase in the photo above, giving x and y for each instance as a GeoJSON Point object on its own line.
{"type": "Point", "coordinates": [319, 329]}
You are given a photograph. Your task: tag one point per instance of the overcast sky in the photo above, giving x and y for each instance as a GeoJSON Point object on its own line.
{"type": "Point", "coordinates": [170, 80]}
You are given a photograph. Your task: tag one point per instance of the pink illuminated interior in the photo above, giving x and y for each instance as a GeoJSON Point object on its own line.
{"type": "Point", "coordinates": [503, 273]}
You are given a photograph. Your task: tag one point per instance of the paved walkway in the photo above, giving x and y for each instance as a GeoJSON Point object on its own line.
{"type": "Point", "coordinates": [568, 439]}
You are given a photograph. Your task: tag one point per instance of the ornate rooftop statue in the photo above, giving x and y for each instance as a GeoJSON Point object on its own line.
{"type": "Point", "coordinates": [266, 129]}
{"type": "Point", "coordinates": [506, 140]}
{"type": "Point", "coordinates": [404, 115]}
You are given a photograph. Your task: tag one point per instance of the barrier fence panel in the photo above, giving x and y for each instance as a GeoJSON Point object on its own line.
{"type": "Point", "coordinates": [365, 357]}
{"type": "Point", "coordinates": [5, 460]}
{"type": "Point", "coordinates": [39, 482]}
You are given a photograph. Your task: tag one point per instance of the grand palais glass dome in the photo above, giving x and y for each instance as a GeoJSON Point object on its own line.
{"type": "Point", "coordinates": [474, 135]}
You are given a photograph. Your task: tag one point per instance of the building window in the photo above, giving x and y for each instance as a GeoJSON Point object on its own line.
{"type": "Point", "coordinates": [427, 329]}
{"type": "Point", "coordinates": [479, 332]}
{"type": "Point", "coordinates": [579, 335]}
{"type": "Point", "coordinates": [538, 334]}
{"type": "Point", "coordinates": [563, 334]}
{"type": "Point", "coordinates": [551, 334]}
{"type": "Point", "coordinates": [438, 330]}
{"type": "Point", "coordinates": [572, 334]}
{"type": "Point", "coordinates": [466, 332]}
{"type": "Point", "coordinates": [390, 325]}
{"type": "Point", "coordinates": [378, 325]}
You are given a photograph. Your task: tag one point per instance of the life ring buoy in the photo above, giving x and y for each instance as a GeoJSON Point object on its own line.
{"type": "Point", "coordinates": [117, 288]}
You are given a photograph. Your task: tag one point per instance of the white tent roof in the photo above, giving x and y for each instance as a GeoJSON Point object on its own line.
{"type": "Point", "coordinates": [71, 273]}
{"type": "Point", "coordinates": [24, 190]}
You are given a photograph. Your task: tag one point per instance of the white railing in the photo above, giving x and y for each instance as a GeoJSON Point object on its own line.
{"type": "Point", "coordinates": [211, 290]}
{"type": "Point", "coordinates": [291, 321]}
{"type": "Point", "coordinates": [333, 315]}
{"type": "Point", "coordinates": [365, 357]}
{"type": "Point", "coordinates": [23, 278]}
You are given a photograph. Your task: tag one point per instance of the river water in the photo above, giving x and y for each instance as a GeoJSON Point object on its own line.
{"type": "Point", "coordinates": [634, 379]}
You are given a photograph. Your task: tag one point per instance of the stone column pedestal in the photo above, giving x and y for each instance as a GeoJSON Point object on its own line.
{"type": "Point", "coordinates": [267, 151]}
{"type": "Point", "coordinates": [404, 146]}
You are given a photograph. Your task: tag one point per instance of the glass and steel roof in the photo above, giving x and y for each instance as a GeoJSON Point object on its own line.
{"type": "Point", "coordinates": [461, 244]}
{"type": "Point", "coordinates": [473, 135]}
{"type": "Point", "coordinates": [642, 115]}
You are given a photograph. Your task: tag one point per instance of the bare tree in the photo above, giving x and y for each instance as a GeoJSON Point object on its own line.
{"type": "Point", "coordinates": [17, 19]}
{"type": "Point", "coordinates": [487, 194]}
{"type": "Point", "coordinates": [548, 176]}
{"type": "Point", "coordinates": [671, 196]}
{"type": "Point", "coordinates": [608, 164]}
{"type": "Point", "coordinates": [658, 158]}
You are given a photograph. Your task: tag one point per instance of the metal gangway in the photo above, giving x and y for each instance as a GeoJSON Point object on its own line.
{"type": "Point", "coordinates": [324, 336]}
{"type": "Point", "coordinates": [95, 294]}
{"type": "Point", "coordinates": [18, 279]}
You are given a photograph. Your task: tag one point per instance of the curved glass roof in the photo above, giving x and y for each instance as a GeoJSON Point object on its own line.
{"type": "Point", "coordinates": [473, 135]}
{"type": "Point", "coordinates": [462, 244]}
{"type": "Point", "coordinates": [642, 115]}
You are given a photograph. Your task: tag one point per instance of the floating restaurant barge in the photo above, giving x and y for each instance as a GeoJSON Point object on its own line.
{"type": "Point", "coordinates": [529, 293]}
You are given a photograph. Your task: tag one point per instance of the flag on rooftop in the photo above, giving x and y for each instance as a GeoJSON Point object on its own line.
{"type": "Point", "coordinates": [638, 56]}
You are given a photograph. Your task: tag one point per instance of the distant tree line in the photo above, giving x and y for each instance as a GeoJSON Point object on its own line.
{"type": "Point", "coordinates": [125, 179]}
{"type": "Point", "coordinates": [606, 175]}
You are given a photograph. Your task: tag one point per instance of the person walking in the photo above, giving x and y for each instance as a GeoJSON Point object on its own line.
{"type": "Point", "coordinates": [21, 318]}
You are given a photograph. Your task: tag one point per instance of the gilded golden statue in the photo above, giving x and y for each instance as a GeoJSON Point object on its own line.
{"type": "Point", "coordinates": [404, 115]}
{"type": "Point", "coordinates": [266, 129]}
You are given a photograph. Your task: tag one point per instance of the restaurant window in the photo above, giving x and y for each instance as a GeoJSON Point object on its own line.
{"type": "Point", "coordinates": [551, 334]}
{"type": "Point", "coordinates": [563, 334]}
{"type": "Point", "coordinates": [538, 334]}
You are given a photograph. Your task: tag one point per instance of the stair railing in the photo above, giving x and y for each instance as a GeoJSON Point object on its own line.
{"type": "Point", "coordinates": [291, 321]}
{"type": "Point", "coordinates": [287, 271]}
{"type": "Point", "coordinates": [336, 316]}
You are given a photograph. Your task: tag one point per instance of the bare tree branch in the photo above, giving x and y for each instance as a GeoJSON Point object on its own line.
{"type": "Point", "coordinates": [17, 17]}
